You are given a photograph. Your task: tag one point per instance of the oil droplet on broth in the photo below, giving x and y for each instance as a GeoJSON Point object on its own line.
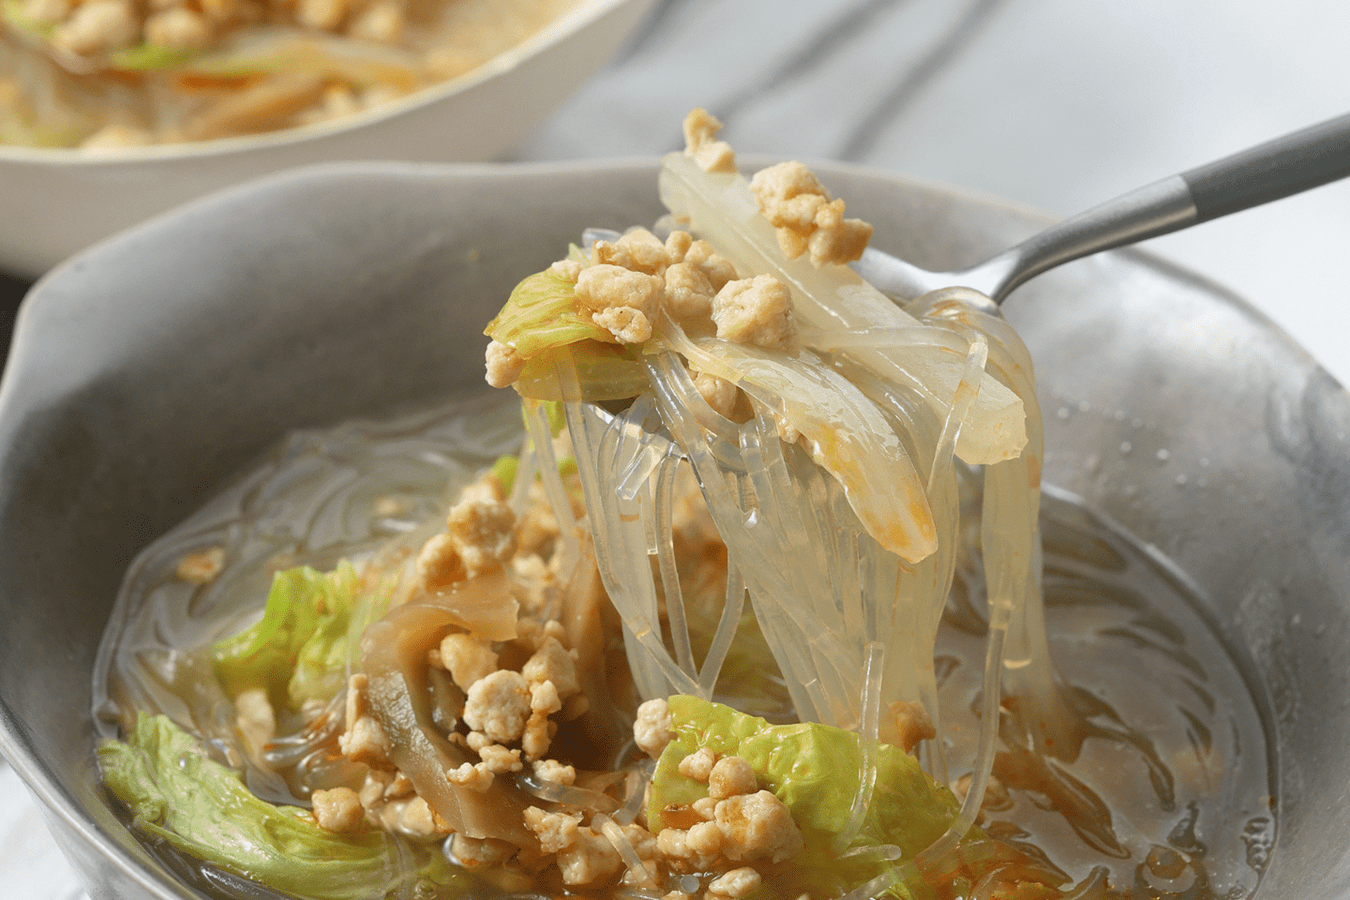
{"type": "Point", "coordinates": [1165, 781]}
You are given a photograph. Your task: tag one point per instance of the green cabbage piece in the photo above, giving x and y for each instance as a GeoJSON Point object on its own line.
{"type": "Point", "coordinates": [140, 58]}
{"type": "Point", "coordinates": [540, 320]}
{"type": "Point", "coordinates": [149, 58]}
{"type": "Point", "coordinates": [300, 648]}
{"type": "Point", "coordinates": [814, 769]}
{"type": "Point", "coordinates": [504, 470]}
{"type": "Point", "coordinates": [542, 314]}
{"type": "Point", "coordinates": [174, 791]}
{"type": "Point", "coordinates": [11, 11]}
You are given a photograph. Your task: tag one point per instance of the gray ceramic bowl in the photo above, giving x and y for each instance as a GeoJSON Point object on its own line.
{"type": "Point", "coordinates": [154, 365]}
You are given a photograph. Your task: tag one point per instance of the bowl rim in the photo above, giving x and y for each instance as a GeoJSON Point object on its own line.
{"type": "Point", "coordinates": [570, 23]}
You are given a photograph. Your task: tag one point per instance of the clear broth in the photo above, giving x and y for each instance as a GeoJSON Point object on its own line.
{"type": "Point", "coordinates": [1164, 789]}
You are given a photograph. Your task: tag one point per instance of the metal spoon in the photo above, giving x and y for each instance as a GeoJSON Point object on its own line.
{"type": "Point", "coordinates": [1287, 165]}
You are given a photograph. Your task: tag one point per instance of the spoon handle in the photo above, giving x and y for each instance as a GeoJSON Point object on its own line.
{"type": "Point", "coordinates": [1278, 168]}
{"type": "Point", "coordinates": [1286, 165]}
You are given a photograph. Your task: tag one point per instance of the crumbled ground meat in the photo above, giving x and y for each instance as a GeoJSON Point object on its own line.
{"type": "Point", "coordinates": [718, 393]}
{"type": "Point", "coordinates": [629, 326]}
{"type": "Point", "coordinates": [805, 219]}
{"type": "Point", "coordinates": [588, 859]}
{"type": "Point", "coordinates": [504, 364]}
{"type": "Point", "coordinates": [499, 705]}
{"type": "Point", "coordinates": [338, 810]}
{"type": "Point", "coordinates": [556, 831]}
{"type": "Point", "coordinates": [483, 531]}
{"type": "Point", "coordinates": [652, 730]}
{"type": "Point", "coordinates": [203, 566]}
{"type": "Point", "coordinates": [364, 740]}
{"type": "Point", "coordinates": [606, 286]}
{"type": "Point", "coordinates": [439, 564]}
{"type": "Point", "coordinates": [481, 852]}
{"type": "Point", "coordinates": [689, 292]}
{"type": "Point", "coordinates": [731, 776]}
{"type": "Point", "coordinates": [467, 658]}
{"type": "Point", "coordinates": [754, 311]}
{"type": "Point", "coordinates": [698, 765]}
{"type": "Point", "coordinates": [553, 771]}
{"type": "Point", "coordinates": [712, 264]}
{"type": "Point", "coordinates": [700, 139]}
{"type": "Point", "coordinates": [637, 250]}
{"type": "Point", "coordinates": [736, 883]}
{"type": "Point", "coordinates": [913, 723]}
{"type": "Point", "coordinates": [553, 663]}
{"type": "Point", "coordinates": [757, 826]}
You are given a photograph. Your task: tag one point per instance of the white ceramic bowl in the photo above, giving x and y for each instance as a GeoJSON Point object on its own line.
{"type": "Point", "coordinates": [55, 202]}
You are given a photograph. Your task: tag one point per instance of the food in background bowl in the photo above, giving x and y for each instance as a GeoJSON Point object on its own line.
{"type": "Point", "coordinates": [68, 198]}
{"type": "Point", "coordinates": [114, 73]}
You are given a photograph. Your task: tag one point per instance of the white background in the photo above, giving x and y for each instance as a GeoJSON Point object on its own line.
{"type": "Point", "coordinates": [1057, 104]}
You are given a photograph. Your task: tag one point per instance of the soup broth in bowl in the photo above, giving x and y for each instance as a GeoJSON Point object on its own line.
{"type": "Point", "coordinates": [1123, 538]}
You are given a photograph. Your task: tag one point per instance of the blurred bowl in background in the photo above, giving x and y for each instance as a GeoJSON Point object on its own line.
{"type": "Point", "coordinates": [58, 201]}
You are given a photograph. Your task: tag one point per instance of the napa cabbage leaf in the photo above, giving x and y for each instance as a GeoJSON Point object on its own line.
{"type": "Point", "coordinates": [300, 648]}
{"type": "Point", "coordinates": [176, 792]}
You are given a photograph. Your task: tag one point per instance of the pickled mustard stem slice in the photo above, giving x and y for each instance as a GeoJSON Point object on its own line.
{"type": "Point", "coordinates": [541, 434]}
{"type": "Point", "coordinates": [670, 577]}
{"type": "Point", "coordinates": [721, 209]}
{"type": "Point", "coordinates": [394, 654]}
{"type": "Point", "coordinates": [732, 609]}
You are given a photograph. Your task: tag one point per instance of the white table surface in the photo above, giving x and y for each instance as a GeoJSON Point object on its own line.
{"type": "Point", "coordinates": [1056, 104]}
